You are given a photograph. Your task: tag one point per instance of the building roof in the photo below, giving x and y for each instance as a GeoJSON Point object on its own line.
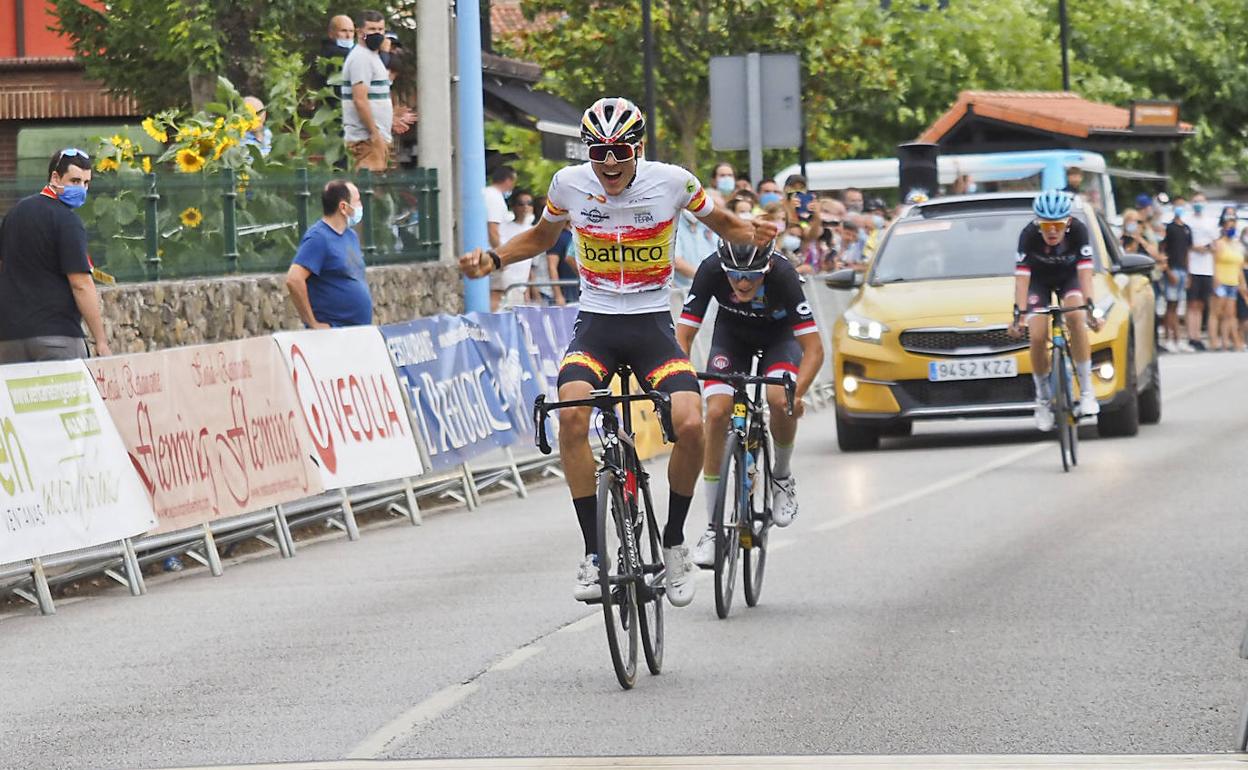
{"type": "Point", "coordinates": [1058, 112]}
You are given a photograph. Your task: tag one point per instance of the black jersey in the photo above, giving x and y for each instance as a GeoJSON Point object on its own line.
{"type": "Point", "coordinates": [780, 306]}
{"type": "Point", "coordinates": [1036, 256]}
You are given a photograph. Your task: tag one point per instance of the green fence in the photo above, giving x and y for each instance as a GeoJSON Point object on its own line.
{"type": "Point", "coordinates": [143, 227]}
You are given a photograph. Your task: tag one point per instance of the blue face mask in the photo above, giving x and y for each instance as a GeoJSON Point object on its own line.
{"type": "Point", "coordinates": [1198, 208]}
{"type": "Point", "coordinates": [73, 196]}
{"type": "Point", "coordinates": [357, 215]}
{"type": "Point", "coordinates": [345, 43]}
{"type": "Point", "coordinates": [1230, 231]}
{"type": "Point", "coordinates": [1179, 212]}
{"type": "Point", "coordinates": [768, 198]}
{"type": "Point", "coordinates": [725, 184]}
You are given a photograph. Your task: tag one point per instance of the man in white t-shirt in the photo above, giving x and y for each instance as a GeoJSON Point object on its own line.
{"type": "Point", "coordinates": [1205, 231]}
{"type": "Point", "coordinates": [520, 218]}
{"type": "Point", "coordinates": [496, 193]}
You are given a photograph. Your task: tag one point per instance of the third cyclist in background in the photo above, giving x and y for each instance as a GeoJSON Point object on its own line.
{"type": "Point", "coordinates": [761, 308]}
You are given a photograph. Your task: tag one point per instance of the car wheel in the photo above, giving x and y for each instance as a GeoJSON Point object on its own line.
{"type": "Point", "coordinates": [898, 429]}
{"type": "Point", "coordinates": [1150, 399]}
{"type": "Point", "coordinates": [855, 438]}
{"type": "Point", "coordinates": [1125, 420]}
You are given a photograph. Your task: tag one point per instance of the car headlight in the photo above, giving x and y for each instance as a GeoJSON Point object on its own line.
{"type": "Point", "coordinates": [864, 329]}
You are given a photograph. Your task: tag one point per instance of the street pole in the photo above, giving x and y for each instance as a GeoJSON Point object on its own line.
{"type": "Point", "coordinates": [1065, 26]}
{"type": "Point", "coordinates": [652, 117]}
{"type": "Point", "coordinates": [471, 146]}
{"type": "Point", "coordinates": [435, 139]}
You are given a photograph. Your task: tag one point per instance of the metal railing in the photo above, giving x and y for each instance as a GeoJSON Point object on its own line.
{"type": "Point", "coordinates": [145, 227]}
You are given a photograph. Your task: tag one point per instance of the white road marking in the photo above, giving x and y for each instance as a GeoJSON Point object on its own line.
{"type": "Point", "coordinates": [516, 658]}
{"type": "Point", "coordinates": [584, 624]}
{"type": "Point", "coordinates": [404, 724]}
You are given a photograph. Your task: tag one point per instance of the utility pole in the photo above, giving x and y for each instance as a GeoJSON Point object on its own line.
{"type": "Point", "coordinates": [652, 117]}
{"type": "Point", "coordinates": [471, 146]}
{"type": "Point", "coordinates": [1065, 25]}
{"type": "Point", "coordinates": [435, 138]}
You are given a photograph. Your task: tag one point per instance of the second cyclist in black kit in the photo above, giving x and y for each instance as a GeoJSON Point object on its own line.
{"type": "Point", "coordinates": [761, 308]}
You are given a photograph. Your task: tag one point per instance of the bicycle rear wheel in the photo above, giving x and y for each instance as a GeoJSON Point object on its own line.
{"type": "Point", "coordinates": [651, 601]}
{"type": "Point", "coordinates": [619, 596]}
{"type": "Point", "coordinates": [754, 552]}
{"type": "Point", "coordinates": [728, 503]}
{"type": "Point", "coordinates": [1061, 404]}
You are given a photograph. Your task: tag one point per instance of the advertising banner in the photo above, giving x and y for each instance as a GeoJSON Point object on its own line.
{"type": "Point", "coordinates": [351, 404]}
{"type": "Point", "coordinates": [548, 331]}
{"type": "Point", "coordinates": [213, 430]}
{"type": "Point", "coordinates": [517, 377]}
{"type": "Point", "coordinates": [456, 398]}
{"type": "Point", "coordinates": [65, 479]}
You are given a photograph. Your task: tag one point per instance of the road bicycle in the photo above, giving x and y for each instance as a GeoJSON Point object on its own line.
{"type": "Point", "coordinates": [630, 552]}
{"type": "Point", "coordinates": [742, 515]}
{"type": "Point", "coordinates": [1061, 370]}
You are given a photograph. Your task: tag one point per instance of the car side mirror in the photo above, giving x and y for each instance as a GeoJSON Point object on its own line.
{"type": "Point", "coordinates": [846, 278]}
{"type": "Point", "coordinates": [1135, 264]}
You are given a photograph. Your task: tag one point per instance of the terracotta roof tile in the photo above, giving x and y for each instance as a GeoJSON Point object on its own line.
{"type": "Point", "coordinates": [507, 19]}
{"type": "Point", "coordinates": [1061, 112]}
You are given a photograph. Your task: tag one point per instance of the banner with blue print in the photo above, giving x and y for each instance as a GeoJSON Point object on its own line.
{"type": "Point", "coordinates": [548, 332]}
{"type": "Point", "coordinates": [506, 353]}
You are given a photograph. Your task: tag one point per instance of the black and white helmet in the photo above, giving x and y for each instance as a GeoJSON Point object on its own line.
{"type": "Point", "coordinates": [743, 256]}
{"type": "Point", "coordinates": [612, 120]}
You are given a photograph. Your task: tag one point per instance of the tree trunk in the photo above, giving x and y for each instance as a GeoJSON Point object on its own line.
{"type": "Point", "coordinates": [203, 89]}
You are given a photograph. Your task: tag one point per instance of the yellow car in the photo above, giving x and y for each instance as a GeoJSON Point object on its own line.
{"type": "Point", "coordinates": [925, 335]}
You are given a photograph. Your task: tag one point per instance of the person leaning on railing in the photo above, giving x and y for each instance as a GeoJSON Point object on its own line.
{"type": "Point", "coordinates": [46, 286]}
{"type": "Point", "coordinates": [326, 280]}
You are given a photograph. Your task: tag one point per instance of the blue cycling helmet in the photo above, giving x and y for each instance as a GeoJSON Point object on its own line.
{"type": "Point", "coordinates": [1052, 205]}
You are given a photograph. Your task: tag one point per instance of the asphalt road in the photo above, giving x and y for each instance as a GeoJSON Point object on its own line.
{"type": "Point", "coordinates": [953, 593]}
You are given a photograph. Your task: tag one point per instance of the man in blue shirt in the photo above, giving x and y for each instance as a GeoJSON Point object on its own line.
{"type": "Point", "coordinates": [326, 280]}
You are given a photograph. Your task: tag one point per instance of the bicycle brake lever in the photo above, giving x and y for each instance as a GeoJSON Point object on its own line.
{"type": "Point", "coordinates": [663, 408]}
{"type": "Point", "coordinates": [539, 422]}
{"type": "Point", "coordinates": [790, 395]}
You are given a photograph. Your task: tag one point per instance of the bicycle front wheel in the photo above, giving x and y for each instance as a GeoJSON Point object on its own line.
{"type": "Point", "coordinates": [754, 552]}
{"type": "Point", "coordinates": [728, 504]}
{"type": "Point", "coordinates": [616, 559]}
{"type": "Point", "coordinates": [650, 603]}
{"type": "Point", "coordinates": [1062, 414]}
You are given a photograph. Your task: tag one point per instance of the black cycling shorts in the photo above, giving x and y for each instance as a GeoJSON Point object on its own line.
{"type": "Point", "coordinates": [645, 342]}
{"type": "Point", "coordinates": [733, 349]}
{"type": "Point", "coordinates": [1043, 286]}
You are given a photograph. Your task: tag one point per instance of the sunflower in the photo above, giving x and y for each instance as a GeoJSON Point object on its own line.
{"type": "Point", "coordinates": [149, 125]}
{"type": "Point", "coordinates": [191, 217]}
{"type": "Point", "coordinates": [222, 146]}
{"type": "Point", "coordinates": [147, 165]}
{"type": "Point", "coordinates": [189, 161]}
{"type": "Point", "coordinates": [107, 164]}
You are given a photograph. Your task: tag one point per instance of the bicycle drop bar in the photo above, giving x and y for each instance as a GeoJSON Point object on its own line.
{"type": "Point", "coordinates": [741, 381]}
{"type": "Point", "coordinates": [662, 407]}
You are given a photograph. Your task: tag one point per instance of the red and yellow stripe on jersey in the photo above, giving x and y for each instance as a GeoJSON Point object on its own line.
{"type": "Point", "coordinates": [626, 259]}
{"type": "Point", "coordinates": [578, 358]}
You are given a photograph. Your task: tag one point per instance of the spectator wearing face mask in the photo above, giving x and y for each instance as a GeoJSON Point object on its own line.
{"type": "Point", "coordinates": [724, 179]}
{"type": "Point", "coordinates": [1229, 284]}
{"type": "Point", "coordinates": [742, 206]}
{"type": "Point", "coordinates": [853, 200]}
{"type": "Point", "coordinates": [1205, 231]}
{"type": "Point", "coordinates": [876, 220]}
{"type": "Point", "coordinates": [1135, 235]}
{"type": "Point", "coordinates": [1176, 246]}
{"type": "Point", "coordinates": [769, 192]}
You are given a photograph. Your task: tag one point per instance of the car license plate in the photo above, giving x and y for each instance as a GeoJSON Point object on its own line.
{"type": "Point", "coordinates": [972, 369]}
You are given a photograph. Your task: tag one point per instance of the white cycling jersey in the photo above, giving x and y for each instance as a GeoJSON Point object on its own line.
{"type": "Point", "coordinates": [624, 243]}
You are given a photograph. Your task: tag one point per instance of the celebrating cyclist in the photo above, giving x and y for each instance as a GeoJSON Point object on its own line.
{"type": "Point", "coordinates": [623, 210]}
{"type": "Point", "coordinates": [1055, 257]}
{"type": "Point", "coordinates": [761, 309]}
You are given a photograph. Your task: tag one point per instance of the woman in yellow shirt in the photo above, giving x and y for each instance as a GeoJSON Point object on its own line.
{"type": "Point", "coordinates": [1228, 283]}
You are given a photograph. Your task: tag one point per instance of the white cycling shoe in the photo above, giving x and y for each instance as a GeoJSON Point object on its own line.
{"type": "Point", "coordinates": [587, 580]}
{"type": "Point", "coordinates": [1044, 415]}
{"type": "Point", "coordinates": [1088, 405]}
{"type": "Point", "coordinates": [680, 572]}
{"type": "Point", "coordinates": [783, 501]}
{"type": "Point", "coordinates": [704, 551]}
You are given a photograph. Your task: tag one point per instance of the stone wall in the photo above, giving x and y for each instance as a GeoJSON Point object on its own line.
{"type": "Point", "coordinates": [163, 314]}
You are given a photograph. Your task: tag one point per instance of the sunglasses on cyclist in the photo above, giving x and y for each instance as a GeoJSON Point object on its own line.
{"type": "Point", "coordinates": [1054, 228]}
{"type": "Point", "coordinates": [621, 151]}
{"type": "Point", "coordinates": [745, 275]}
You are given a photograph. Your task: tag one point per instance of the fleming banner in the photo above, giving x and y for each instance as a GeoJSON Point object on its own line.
{"type": "Point", "coordinates": [213, 430]}
{"type": "Point", "coordinates": [352, 405]}
{"type": "Point", "coordinates": [65, 479]}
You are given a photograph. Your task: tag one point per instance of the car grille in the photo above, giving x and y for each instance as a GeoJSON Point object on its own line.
{"type": "Point", "coordinates": [952, 342]}
{"type": "Point", "coordinates": [920, 393]}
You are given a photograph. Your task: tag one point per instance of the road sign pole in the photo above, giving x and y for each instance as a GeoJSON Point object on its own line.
{"type": "Point", "coordinates": [754, 114]}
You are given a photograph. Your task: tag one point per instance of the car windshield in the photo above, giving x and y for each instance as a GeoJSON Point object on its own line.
{"type": "Point", "coordinates": [970, 246]}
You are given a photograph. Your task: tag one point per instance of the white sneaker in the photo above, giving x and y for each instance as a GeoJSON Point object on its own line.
{"type": "Point", "coordinates": [680, 572]}
{"type": "Point", "coordinates": [1184, 347]}
{"type": "Point", "coordinates": [587, 580]}
{"type": "Point", "coordinates": [1088, 405]}
{"type": "Point", "coordinates": [704, 551]}
{"type": "Point", "coordinates": [1044, 415]}
{"type": "Point", "coordinates": [1170, 346]}
{"type": "Point", "coordinates": [783, 501]}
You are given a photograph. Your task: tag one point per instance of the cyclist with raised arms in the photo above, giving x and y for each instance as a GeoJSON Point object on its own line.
{"type": "Point", "coordinates": [1055, 257]}
{"type": "Point", "coordinates": [761, 308]}
{"type": "Point", "coordinates": [624, 211]}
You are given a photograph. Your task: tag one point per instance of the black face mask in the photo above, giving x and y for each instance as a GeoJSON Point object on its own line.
{"type": "Point", "coordinates": [374, 41]}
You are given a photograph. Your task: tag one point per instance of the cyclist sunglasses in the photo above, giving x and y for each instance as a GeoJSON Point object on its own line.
{"type": "Point", "coordinates": [1053, 228]}
{"type": "Point", "coordinates": [745, 275]}
{"type": "Point", "coordinates": [621, 151]}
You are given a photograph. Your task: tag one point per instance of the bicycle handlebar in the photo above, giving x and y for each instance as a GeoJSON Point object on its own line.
{"type": "Point", "coordinates": [741, 381]}
{"type": "Point", "coordinates": [662, 407]}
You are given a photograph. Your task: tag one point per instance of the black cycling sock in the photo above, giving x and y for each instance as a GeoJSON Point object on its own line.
{"type": "Point", "coordinates": [587, 515]}
{"type": "Point", "coordinates": [677, 510]}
